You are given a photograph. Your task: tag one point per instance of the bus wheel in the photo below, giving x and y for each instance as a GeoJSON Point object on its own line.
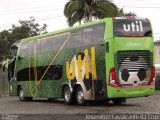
{"type": "Point", "coordinates": [80, 96]}
{"type": "Point", "coordinates": [51, 99]}
{"type": "Point", "coordinates": [67, 95]}
{"type": "Point", "coordinates": [119, 101]}
{"type": "Point", "coordinates": [20, 94]}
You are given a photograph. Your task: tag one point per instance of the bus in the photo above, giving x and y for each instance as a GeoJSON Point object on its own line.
{"type": "Point", "coordinates": [107, 59]}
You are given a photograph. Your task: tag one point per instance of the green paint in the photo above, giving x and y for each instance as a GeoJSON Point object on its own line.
{"type": "Point", "coordinates": [104, 62]}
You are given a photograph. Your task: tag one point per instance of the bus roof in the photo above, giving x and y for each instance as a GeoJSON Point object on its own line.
{"type": "Point", "coordinates": [75, 27]}
{"type": "Point", "coordinates": [63, 30]}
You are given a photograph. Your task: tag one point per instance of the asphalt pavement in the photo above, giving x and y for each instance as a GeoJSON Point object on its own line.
{"type": "Point", "coordinates": [42, 109]}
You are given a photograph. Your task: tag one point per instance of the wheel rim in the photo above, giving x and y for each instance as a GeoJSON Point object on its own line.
{"type": "Point", "coordinates": [80, 96]}
{"type": "Point", "coordinates": [67, 95]}
{"type": "Point", "coordinates": [21, 94]}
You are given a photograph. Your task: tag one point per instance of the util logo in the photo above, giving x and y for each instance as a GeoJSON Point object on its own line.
{"type": "Point", "coordinates": [80, 64]}
{"type": "Point", "coordinates": [133, 27]}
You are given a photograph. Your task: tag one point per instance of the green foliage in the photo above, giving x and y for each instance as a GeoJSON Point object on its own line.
{"type": "Point", "coordinates": [121, 13]}
{"type": "Point", "coordinates": [27, 28]}
{"type": "Point", "coordinates": [77, 10]}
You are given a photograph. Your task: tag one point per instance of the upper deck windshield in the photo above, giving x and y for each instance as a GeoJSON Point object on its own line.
{"type": "Point", "coordinates": [132, 28]}
{"type": "Point", "coordinates": [13, 49]}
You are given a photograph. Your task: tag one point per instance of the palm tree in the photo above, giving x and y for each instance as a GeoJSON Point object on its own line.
{"type": "Point", "coordinates": [76, 10]}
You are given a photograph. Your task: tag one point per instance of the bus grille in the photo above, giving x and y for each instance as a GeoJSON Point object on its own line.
{"type": "Point", "coordinates": [133, 60]}
{"type": "Point", "coordinates": [133, 67]}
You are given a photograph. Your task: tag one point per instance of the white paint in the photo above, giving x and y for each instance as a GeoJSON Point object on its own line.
{"type": "Point", "coordinates": [133, 27]}
{"type": "Point", "coordinates": [134, 44]}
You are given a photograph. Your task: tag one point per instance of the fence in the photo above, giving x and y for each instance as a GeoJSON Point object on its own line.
{"type": "Point", "coordinates": [3, 84]}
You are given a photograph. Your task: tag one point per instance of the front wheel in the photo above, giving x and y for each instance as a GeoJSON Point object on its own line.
{"type": "Point", "coordinates": [21, 95]}
{"type": "Point", "coordinates": [80, 96]}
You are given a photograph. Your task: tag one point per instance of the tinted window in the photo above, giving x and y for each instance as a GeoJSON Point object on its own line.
{"type": "Point", "coordinates": [59, 41]}
{"type": "Point", "coordinates": [38, 47]}
{"type": "Point", "coordinates": [46, 45]}
{"type": "Point", "coordinates": [86, 36]}
{"type": "Point", "coordinates": [24, 49]}
{"type": "Point", "coordinates": [132, 27]}
{"type": "Point", "coordinates": [98, 33]}
{"type": "Point", "coordinates": [14, 49]}
{"type": "Point", "coordinates": [54, 73]}
{"type": "Point", "coordinates": [34, 47]}
{"type": "Point", "coordinates": [31, 48]}
{"type": "Point", "coordinates": [75, 40]}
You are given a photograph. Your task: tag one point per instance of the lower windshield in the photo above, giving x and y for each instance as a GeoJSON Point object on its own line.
{"type": "Point", "coordinates": [132, 28]}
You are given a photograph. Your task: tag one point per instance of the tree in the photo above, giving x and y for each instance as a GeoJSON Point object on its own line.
{"type": "Point", "coordinates": [26, 28]}
{"type": "Point", "coordinates": [4, 36]}
{"type": "Point", "coordinates": [121, 13]}
{"type": "Point", "coordinates": [77, 10]}
{"type": "Point", "coordinates": [130, 14]}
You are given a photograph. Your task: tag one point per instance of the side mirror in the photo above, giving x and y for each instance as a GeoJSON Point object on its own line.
{"type": "Point", "coordinates": [4, 69]}
{"type": "Point", "coordinates": [4, 65]}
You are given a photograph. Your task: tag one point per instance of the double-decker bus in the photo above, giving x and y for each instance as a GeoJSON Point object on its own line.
{"type": "Point", "coordinates": [108, 59]}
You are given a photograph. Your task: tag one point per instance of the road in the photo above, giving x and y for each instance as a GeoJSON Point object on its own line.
{"type": "Point", "coordinates": [42, 109]}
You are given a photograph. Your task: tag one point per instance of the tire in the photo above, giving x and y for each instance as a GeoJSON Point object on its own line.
{"type": "Point", "coordinates": [67, 95]}
{"type": "Point", "coordinates": [21, 95]}
{"type": "Point", "coordinates": [80, 96]}
{"type": "Point", "coordinates": [51, 99]}
{"type": "Point", "coordinates": [119, 101]}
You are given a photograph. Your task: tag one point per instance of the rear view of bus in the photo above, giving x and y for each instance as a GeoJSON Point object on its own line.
{"type": "Point", "coordinates": [131, 65]}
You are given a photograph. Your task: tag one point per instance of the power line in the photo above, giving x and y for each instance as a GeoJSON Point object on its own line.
{"type": "Point", "coordinates": [30, 11]}
{"type": "Point", "coordinates": [130, 1]}
{"type": "Point", "coordinates": [8, 24]}
{"type": "Point", "coordinates": [143, 4]}
{"type": "Point", "coordinates": [36, 20]}
{"type": "Point", "coordinates": [49, 18]}
{"type": "Point", "coordinates": [29, 8]}
{"type": "Point", "coordinates": [142, 7]}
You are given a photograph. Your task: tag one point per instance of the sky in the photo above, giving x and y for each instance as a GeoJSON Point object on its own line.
{"type": "Point", "coordinates": [50, 12]}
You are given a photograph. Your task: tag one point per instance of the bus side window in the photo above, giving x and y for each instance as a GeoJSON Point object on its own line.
{"type": "Point", "coordinates": [58, 42]}
{"type": "Point", "coordinates": [24, 50]}
{"type": "Point", "coordinates": [54, 73]}
{"type": "Point", "coordinates": [75, 40]}
{"type": "Point", "coordinates": [33, 47]}
{"type": "Point", "coordinates": [57, 71]}
{"type": "Point", "coordinates": [87, 36]}
{"type": "Point", "coordinates": [98, 33]}
{"type": "Point", "coordinates": [46, 45]}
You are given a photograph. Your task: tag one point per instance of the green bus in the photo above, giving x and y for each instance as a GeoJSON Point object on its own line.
{"type": "Point", "coordinates": [108, 59]}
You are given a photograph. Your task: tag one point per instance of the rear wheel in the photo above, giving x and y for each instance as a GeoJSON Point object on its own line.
{"type": "Point", "coordinates": [119, 101]}
{"type": "Point", "coordinates": [80, 96]}
{"type": "Point", "coordinates": [67, 95]}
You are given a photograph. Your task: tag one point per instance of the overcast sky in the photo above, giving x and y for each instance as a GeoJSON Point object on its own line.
{"type": "Point", "coordinates": [51, 12]}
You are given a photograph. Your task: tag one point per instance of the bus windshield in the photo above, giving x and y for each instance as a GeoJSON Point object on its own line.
{"type": "Point", "coordinates": [132, 28]}
{"type": "Point", "coordinates": [13, 49]}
